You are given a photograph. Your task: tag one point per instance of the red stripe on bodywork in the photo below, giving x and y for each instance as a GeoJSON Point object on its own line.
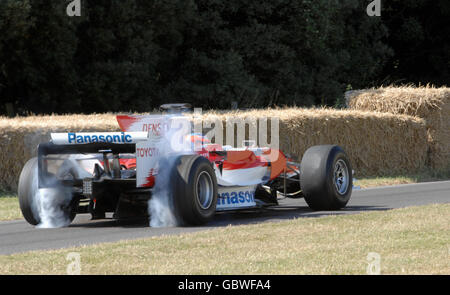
{"type": "Point", "coordinates": [125, 121]}
{"type": "Point", "coordinates": [277, 162]}
{"type": "Point", "coordinates": [150, 179]}
{"type": "Point", "coordinates": [242, 160]}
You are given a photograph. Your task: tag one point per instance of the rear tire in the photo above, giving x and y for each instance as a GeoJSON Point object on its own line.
{"type": "Point", "coordinates": [29, 204]}
{"type": "Point", "coordinates": [26, 192]}
{"type": "Point", "coordinates": [326, 177]}
{"type": "Point", "coordinates": [195, 189]}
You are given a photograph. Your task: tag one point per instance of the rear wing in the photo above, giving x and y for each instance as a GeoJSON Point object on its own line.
{"type": "Point", "coordinates": [46, 150]}
{"type": "Point", "coordinates": [142, 136]}
{"type": "Point", "coordinates": [72, 143]}
{"type": "Point", "coordinates": [75, 138]}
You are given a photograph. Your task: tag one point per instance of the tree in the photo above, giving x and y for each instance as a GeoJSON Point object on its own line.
{"type": "Point", "coordinates": [419, 36]}
{"type": "Point", "coordinates": [263, 53]}
{"type": "Point", "coordinates": [117, 56]}
{"type": "Point", "coordinates": [135, 55]}
{"type": "Point", "coordinates": [15, 22]}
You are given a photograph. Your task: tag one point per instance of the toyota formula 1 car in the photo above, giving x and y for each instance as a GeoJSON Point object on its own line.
{"type": "Point", "coordinates": [119, 172]}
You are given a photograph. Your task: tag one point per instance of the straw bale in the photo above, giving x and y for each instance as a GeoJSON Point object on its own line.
{"type": "Point", "coordinates": [19, 138]}
{"type": "Point", "coordinates": [377, 143]}
{"type": "Point", "coordinates": [426, 102]}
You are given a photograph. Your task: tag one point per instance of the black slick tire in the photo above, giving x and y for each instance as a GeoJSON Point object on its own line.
{"type": "Point", "coordinates": [194, 189]}
{"type": "Point", "coordinates": [326, 177]}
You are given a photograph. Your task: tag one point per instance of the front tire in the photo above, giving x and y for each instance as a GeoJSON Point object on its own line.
{"type": "Point", "coordinates": [326, 177]}
{"type": "Point", "coordinates": [195, 189]}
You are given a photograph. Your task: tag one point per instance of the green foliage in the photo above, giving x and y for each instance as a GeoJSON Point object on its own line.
{"type": "Point", "coordinates": [420, 37]}
{"type": "Point", "coordinates": [137, 54]}
{"type": "Point", "coordinates": [15, 23]}
{"type": "Point", "coordinates": [116, 56]}
{"type": "Point", "coordinates": [261, 53]}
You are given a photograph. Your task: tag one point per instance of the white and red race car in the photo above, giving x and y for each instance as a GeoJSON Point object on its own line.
{"type": "Point", "coordinates": [119, 172]}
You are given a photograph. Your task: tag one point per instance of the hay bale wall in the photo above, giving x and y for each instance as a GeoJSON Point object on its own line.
{"type": "Point", "coordinates": [377, 143]}
{"type": "Point", "coordinates": [19, 138]}
{"type": "Point", "coordinates": [426, 102]}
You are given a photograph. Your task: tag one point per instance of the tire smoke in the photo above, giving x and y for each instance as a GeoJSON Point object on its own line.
{"type": "Point", "coordinates": [51, 205]}
{"type": "Point", "coordinates": [172, 144]}
{"type": "Point", "coordinates": [160, 205]}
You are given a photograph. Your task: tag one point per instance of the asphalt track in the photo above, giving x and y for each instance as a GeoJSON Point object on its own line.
{"type": "Point", "coordinates": [19, 236]}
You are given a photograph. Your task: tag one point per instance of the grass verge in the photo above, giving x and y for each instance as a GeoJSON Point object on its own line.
{"type": "Point", "coordinates": [9, 206]}
{"type": "Point", "coordinates": [414, 240]}
{"type": "Point", "coordinates": [423, 176]}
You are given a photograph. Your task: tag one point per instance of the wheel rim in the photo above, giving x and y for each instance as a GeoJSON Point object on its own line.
{"type": "Point", "coordinates": [341, 177]}
{"type": "Point", "coordinates": [204, 190]}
